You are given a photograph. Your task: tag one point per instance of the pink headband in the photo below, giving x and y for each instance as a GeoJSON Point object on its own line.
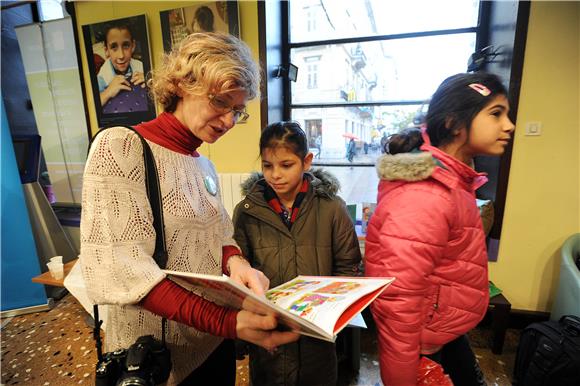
{"type": "Point", "coordinates": [480, 89]}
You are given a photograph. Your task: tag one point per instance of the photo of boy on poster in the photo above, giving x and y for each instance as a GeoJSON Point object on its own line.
{"type": "Point", "coordinates": [216, 16]}
{"type": "Point", "coordinates": [119, 60]}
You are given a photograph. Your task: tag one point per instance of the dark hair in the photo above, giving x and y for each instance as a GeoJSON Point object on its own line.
{"type": "Point", "coordinates": [404, 141]}
{"type": "Point", "coordinates": [204, 17]}
{"type": "Point", "coordinates": [455, 103]}
{"type": "Point", "coordinates": [286, 134]}
{"type": "Point", "coordinates": [120, 25]}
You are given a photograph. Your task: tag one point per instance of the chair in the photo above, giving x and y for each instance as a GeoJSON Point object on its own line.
{"type": "Point", "coordinates": [567, 300]}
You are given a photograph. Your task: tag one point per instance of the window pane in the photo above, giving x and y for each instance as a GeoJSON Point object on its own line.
{"type": "Point", "coordinates": [356, 184]}
{"type": "Point", "coordinates": [329, 131]}
{"type": "Point", "coordinates": [334, 19]}
{"type": "Point", "coordinates": [388, 70]}
{"type": "Point", "coordinates": [51, 9]}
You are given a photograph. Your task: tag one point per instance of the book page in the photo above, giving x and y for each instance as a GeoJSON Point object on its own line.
{"type": "Point", "coordinates": [322, 300]}
{"type": "Point", "coordinates": [310, 305]}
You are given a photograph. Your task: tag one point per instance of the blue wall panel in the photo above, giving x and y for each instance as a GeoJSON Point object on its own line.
{"type": "Point", "coordinates": [19, 260]}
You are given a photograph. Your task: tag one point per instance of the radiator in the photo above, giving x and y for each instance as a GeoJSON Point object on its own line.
{"type": "Point", "coordinates": [231, 190]}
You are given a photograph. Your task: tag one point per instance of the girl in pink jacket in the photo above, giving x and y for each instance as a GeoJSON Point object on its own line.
{"type": "Point", "coordinates": [426, 231]}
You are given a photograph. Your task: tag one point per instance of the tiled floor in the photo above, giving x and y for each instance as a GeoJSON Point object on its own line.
{"type": "Point", "coordinates": [496, 368]}
{"type": "Point", "coordinates": [57, 348]}
{"type": "Point", "coordinates": [49, 348]}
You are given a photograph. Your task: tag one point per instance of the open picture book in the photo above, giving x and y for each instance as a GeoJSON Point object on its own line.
{"type": "Point", "coordinates": [317, 306]}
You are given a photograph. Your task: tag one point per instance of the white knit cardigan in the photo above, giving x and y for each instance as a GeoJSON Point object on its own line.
{"type": "Point", "coordinates": [118, 239]}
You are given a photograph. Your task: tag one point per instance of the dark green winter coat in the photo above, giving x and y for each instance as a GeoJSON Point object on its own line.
{"type": "Point", "coordinates": [322, 241]}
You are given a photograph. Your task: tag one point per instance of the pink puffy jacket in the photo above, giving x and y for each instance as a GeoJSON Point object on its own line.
{"type": "Point", "coordinates": [426, 232]}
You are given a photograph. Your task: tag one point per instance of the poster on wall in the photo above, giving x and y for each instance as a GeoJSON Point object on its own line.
{"type": "Point", "coordinates": [119, 61]}
{"type": "Point", "coordinates": [215, 16]}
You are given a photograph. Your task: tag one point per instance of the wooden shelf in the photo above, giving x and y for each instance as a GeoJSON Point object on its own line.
{"type": "Point", "coordinates": [47, 279]}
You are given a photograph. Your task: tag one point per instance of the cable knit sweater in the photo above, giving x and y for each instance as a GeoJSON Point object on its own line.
{"type": "Point", "coordinates": [118, 239]}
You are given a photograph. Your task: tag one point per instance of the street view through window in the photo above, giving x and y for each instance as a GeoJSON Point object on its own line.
{"type": "Point", "coordinates": [350, 96]}
{"type": "Point", "coordinates": [367, 69]}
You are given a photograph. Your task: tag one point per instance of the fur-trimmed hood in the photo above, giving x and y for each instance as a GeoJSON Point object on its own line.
{"type": "Point", "coordinates": [324, 183]}
{"type": "Point", "coordinates": [415, 166]}
{"type": "Point", "coordinates": [429, 163]}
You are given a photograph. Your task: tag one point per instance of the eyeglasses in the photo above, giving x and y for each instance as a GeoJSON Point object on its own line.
{"type": "Point", "coordinates": [223, 107]}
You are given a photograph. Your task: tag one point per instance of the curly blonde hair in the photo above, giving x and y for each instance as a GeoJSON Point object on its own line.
{"type": "Point", "coordinates": [205, 63]}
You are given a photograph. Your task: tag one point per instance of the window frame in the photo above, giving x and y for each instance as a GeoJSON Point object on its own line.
{"type": "Point", "coordinates": [502, 24]}
{"type": "Point", "coordinates": [480, 29]}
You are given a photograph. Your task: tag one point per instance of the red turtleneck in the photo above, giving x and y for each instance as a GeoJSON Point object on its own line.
{"type": "Point", "coordinates": [167, 131]}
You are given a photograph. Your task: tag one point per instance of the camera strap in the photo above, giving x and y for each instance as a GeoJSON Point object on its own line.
{"type": "Point", "coordinates": [160, 253]}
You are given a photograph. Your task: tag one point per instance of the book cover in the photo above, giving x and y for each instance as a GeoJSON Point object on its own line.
{"type": "Point", "coordinates": [317, 306]}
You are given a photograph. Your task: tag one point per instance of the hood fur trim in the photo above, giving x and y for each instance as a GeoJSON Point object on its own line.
{"type": "Point", "coordinates": [324, 183]}
{"type": "Point", "coordinates": [249, 182]}
{"type": "Point", "coordinates": [405, 166]}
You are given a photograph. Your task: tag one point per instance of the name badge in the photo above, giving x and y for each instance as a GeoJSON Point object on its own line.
{"type": "Point", "coordinates": [210, 185]}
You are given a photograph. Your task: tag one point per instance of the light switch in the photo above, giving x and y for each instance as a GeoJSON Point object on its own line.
{"type": "Point", "coordinates": [534, 128]}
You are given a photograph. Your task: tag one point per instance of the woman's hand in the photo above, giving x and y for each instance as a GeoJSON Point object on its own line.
{"type": "Point", "coordinates": [241, 272]}
{"type": "Point", "coordinates": [258, 329]}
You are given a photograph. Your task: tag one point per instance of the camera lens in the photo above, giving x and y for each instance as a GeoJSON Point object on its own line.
{"type": "Point", "coordinates": [102, 369]}
{"type": "Point", "coordinates": [118, 353]}
{"type": "Point", "coordinates": [133, 381]}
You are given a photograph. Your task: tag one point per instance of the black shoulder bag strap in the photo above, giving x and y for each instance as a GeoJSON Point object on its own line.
{"type": "Point", "coordinates": [154, 195]}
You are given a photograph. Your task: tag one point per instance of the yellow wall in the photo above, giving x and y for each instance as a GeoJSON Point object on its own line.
{"type": "Point", "coordinates": [235, 152]}
{"type": "Point", "coordinates": [543, 204]}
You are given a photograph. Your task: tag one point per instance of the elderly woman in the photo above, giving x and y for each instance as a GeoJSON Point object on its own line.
{"type": "Point", "coordinates": [204, 86]}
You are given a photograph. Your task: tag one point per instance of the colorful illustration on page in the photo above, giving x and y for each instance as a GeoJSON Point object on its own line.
{"type": "Point", "coordinates": [299, 285]}
{"type": "Point", "coordinates": [307, 303]}
{"type": "Point", "coordinates": [274, 296]}
{"type": "Point", "coordinates": [338, 287]}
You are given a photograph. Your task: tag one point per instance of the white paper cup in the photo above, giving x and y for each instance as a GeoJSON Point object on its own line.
{"type": "Point", "coordinates": [57, 259]}
{"type": "Point", "coordinates": [56, 269]}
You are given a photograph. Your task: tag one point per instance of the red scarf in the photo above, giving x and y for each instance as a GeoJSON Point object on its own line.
{"type": "Point", "coordinates": [167, 131]}
{"type": "Point", "coordinates": [288, 217]}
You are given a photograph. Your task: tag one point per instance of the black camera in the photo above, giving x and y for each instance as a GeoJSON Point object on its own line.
{"type": "Point", "coordinates": [146, 363]}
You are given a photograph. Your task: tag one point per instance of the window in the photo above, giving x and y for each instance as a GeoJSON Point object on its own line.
{"type": "Point", "coordinates": [393, 55]}
{"type": "Point", "coordinates": [312, 71]}
{"type": "Point", "coordinates": [388, 77]}
{"type": "Point", "coordinates": [310, 19]}
{"type": "Point", "coordinates": [50, 9]}
{"type": "Point", "coordinates": [312, 129]}
{"type": "Point", "coordinates": [379, 63]}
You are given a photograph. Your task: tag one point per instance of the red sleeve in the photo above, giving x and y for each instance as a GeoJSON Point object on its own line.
{"type": "Point", "coordinates": [227, 252]}
{"type": "Point", "coordinates": [173, 302]}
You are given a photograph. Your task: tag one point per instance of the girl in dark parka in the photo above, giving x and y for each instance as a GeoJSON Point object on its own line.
{"type": "Point", "coordinates": [293, 223]}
